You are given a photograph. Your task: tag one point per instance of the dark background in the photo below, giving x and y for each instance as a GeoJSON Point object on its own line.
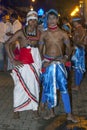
{"type": "Point", "coordinates": [62, 6]}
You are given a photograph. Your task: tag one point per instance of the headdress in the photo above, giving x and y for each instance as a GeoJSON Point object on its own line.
{"type": "Point", "coordinates": [76, 19]}
{"type": "Point", "coordinates": [52, 11]}
{"type": "Point", "coordinates": [31, 15]}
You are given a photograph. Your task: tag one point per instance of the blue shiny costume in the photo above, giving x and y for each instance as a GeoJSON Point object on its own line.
{"type": "Point", "coordinates": [55, 77]}
{"type": "Point", "coordinates": [78, 60]}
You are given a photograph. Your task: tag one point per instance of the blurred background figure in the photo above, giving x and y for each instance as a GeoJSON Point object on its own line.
{"type": "Point", "coordinates": [14, 26]}
{"type": "Point", "coordinates": [66, 25]}
{"type": "Point", "coordinates": [78, 59]}
{"type": "Point", "coordinates": [40, 24]}
{"type": "Point", "coordinates": [2, 41]}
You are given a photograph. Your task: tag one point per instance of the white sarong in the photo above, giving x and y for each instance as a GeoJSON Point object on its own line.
{"type": "Point", "coordinates": [26, 84]}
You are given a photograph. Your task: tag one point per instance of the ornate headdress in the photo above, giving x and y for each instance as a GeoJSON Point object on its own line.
{"type": "Point", "coordinates": [31, 15]}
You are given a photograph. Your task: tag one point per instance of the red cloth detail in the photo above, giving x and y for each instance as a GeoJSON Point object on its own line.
{"type": "Point", "coordinates": [43, 69]}
{"type": "Point", "coordinates": [68, 64]}
{"type": "Point", "coordinates": [16, 57]}
{"type": "Point", "coordinates": [25, 56]}
{"type": "Point", "coordinates": [16, 53]}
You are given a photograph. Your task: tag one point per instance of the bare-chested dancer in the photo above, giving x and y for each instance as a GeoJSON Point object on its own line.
{"type": "Point", "coordinates": [27, 65]}
{"type": "Point", "coordinates": [79, 38]}
{"type": "Point", "coordinates": [56, 53]}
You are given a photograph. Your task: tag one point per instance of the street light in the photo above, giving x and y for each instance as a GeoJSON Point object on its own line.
{"type": "Point", "coordinates": [32, 4]}
{"type": "Point", "coordinates": [33, 0]}
{"type": "Point", "coordinates": [75, 11]}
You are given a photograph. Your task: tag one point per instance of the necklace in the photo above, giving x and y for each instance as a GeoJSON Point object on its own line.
{"type": "Point", "coordinates": [53, 28]}
{"type": "Point", "coordinates": [33, 36]}
{"type": "Point", "coordinates": [32, 33]}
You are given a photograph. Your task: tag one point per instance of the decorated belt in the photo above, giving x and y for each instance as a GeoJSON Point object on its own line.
{"type": "Point", "coordinates": [49, 58]}
{"type": "Point", "coordinates": [35, 46]}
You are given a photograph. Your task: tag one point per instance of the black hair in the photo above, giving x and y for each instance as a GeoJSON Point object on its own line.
{"type": "Point", "coordinates": [14, 15]}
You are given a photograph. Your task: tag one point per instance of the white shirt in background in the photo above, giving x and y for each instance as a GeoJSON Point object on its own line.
{"type": "Point", "coordinates": [16, 26]}
{"type": "Point", "coordinates": [8, 30]}
{"type": "Point", "coordinates": [2, 31]}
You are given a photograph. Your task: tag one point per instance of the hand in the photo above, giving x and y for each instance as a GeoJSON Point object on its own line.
{"type": "Point", "coordinates": [17, 63]}
{"type": "Point", "coordinates": [9, 34]}
{"type": "Point", "coordinates": [63, 61]}
{"type": "Point", "coordinates": [45, 64]}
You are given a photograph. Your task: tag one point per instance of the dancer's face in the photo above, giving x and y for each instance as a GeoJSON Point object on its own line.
{"type": "Point", "coordinates": [52, 20]}
{"type": "Point", "coordinates": [75, 24]}
{"type": "Point", "coordinates": [32, 23]}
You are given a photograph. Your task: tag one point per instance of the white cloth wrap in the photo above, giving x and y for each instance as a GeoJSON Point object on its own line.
{"type": "Point", "coordinates": [20, 95]}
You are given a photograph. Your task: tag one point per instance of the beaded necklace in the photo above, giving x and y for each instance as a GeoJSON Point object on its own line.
{"type": "Point", "coordinates": [32, 36]}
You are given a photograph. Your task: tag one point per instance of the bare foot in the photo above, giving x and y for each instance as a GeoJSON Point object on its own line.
{"type": "Point", "coordinates": [75, 88]}
{"type": "Point", "coordinates": [52, 115]}
{"type": "Point", "coordinates": [49, 116]}
{"type": "Point", "coordinates": [36, 115]}
{"type": "Point", "coordinates": [16, 115]}
{"type": "Point", "coordinates": [72, 119]}
{"type": "Point", "coordinates": [42, 107]}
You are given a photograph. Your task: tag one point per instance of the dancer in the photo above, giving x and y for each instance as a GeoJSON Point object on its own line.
{"type": "Point", "coordinates": [78, 58]}
{"type": "Point", "coordinates": [54, 75]}
{"type": "Point", "coordinates": [27, 66]}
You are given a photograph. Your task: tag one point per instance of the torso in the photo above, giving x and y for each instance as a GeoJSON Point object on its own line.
{"type": "Point", "coordinates": [54, 43]}
{"type": "Point", "coordinates": [25, 40]}
{"type": "Point", "coordinates": [79, 35]}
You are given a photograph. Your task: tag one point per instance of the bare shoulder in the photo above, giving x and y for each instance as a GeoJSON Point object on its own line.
{"type": "Point", "coordinates": [63, 33]}
{"type": "Point", "coordinates": [15, 37]}
{"type": "Point", "coordinates": [19, 32]}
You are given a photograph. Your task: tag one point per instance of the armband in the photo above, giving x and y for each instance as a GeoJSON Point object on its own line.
{"type": "Point", "coordinates": [66, 41]}
{"type": "Point", "coordinates": [41, 42]}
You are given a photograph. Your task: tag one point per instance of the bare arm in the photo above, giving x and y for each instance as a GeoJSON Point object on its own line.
{"type": "Point", "coordinates": [12, 48]}
{"type": "Point", "coordinates": [78, 37]}
{"type": "Point", "coordinates": [85, 40]}
{"type": "Point", "coordinates": [41, 44]}
{"type": "Point", "coordinates": [8, 44]}
{"type": "Point", "coordinates": [68, 50]}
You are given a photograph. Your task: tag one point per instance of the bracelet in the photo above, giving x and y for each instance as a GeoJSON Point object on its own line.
{"type": "Point", "coordinates": [66, 56]}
